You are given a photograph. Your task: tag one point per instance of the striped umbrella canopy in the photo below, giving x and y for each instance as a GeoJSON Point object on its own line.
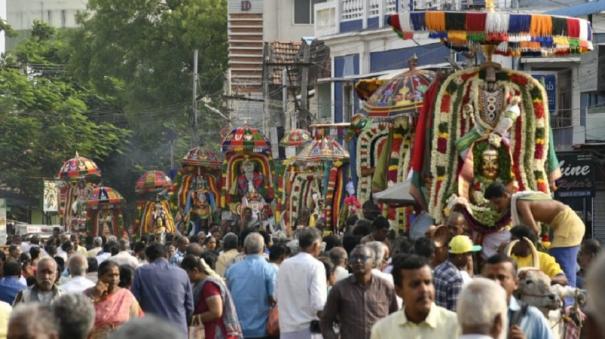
{"type": "Point", "coordinates": [324, 148]}
{"type": "Point", "coordinates": [296, 137]}
{"type": "Point", "coordinates": [78, 168]}
{"type": "Point", "coordinates": [511, 34]}
{"type": "Point", "coordinates": [201, 157]}
{"type": "Point", "coordinates": [246, 139]}
{"type": "Point", "coordinates": [104, 196]}
{"type": "Point", "coordinates": [401, 95]}
{"type": "Point", "coordinates": [152, 181]}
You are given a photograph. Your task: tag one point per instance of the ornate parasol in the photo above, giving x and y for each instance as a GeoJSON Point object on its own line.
{"type": "Point", "coordinates": [200, 157]}
{"type": "Point", "coordinates": [78, 168]}
{"type": "Point", "coordinates": [246, 139]}
{"type": "Point", "coordinates": [324, 148]}
{"type": "Point", "coordinates": [511, 34]}
{"type": "Point", "coordinates": [153, 181]}
{"type": "Point", "coordinates": [296, 137]}
{"type": "Point", "coordinates": [104, 196]}
{"type": "Point", "coordinates": [401, 95]}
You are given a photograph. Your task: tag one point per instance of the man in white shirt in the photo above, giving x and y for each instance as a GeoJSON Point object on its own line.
{"type": "Point", "coordinates": [482, 310]}
{"type": "Point", "coordinates": [302, 289]}
{"type": "Point", "coordinates": [77, 269]}
{"type": "Point", "coordinates": [124, 257]}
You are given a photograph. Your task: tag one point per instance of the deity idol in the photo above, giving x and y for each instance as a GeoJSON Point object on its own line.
{"type": "Point", "coordinates": [251, 183]}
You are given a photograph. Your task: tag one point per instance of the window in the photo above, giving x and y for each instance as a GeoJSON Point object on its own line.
{"type": "Point", "coordinates": [303, 11]}
{"type": "Point", "coordinates": [49, 15]}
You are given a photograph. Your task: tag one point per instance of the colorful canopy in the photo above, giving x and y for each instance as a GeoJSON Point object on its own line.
{"type": "Point", "coordinates": [104, 196]}
{"type": "Point", "coordinates": [513, 34]}
{"type": "Point", "coordinates": [246, 139]}
{"type": "Point", "coordinates": [153, 181]}
{"type": "Point", "coordinates": [401, 95]}
{"type": "Point", "coordinates": [78, 168]}
{"type": "Point", "coordinates": [200, 157]}
{"type": "Point", "coordinates": [325, 148]}
{"type": "Point", "coordinates": [296, 137]}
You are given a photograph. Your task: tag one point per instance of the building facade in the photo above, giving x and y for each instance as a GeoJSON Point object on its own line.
{"type": "Point", "coordinates": [251, 24]}
{"type": "Point", "coordinates": [21, 15]}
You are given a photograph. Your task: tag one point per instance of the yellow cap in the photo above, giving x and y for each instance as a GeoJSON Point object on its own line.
{"type": "Point", "coordinates": [462, 244]}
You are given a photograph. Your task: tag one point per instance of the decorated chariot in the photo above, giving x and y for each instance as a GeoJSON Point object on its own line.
{"type": "Point", "coordinates": [198, 190]}
{"type": "Point", "coordinates": [153, 214]}
{"type": "Point", "coordinates": [382, 135]}
{"type": "Point", "coordinates": [247, 172]}
{"type": "Point", "coordinates": [79, 176]}
{"type": "Point", "coordinates": [104, 211]}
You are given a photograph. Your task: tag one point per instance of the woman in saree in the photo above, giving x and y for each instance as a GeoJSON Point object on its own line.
{"type": "Point", "coordinates": [113, 305]}
{"type": "Point", "coordinates": [212, 301]}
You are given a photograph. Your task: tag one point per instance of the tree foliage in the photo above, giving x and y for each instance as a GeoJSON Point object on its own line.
{"type": "Point", "coordinates": [44, 115]}
{"type": "Point", "coordinates": [140, 52]}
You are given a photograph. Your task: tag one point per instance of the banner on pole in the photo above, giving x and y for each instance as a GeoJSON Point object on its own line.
{"type": "Point", "coordinates": [51, 196]}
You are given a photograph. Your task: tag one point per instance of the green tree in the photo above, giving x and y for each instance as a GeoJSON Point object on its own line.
{"type": "Point", "coordinates": [45, 115]}
{"type": "Point", "coordinates": [140, 52]}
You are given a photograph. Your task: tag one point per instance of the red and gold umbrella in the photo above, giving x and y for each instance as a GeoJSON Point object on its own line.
{"type": "Point", "coordinates": [104, 196]}
{"type": "Point", "coordinates": [324, 148]}
{"type": "Point", "coordinates": [246, 139]}
{"type": "Point", "coordinates": [200, 157]}
{"type": "Point", "coordinates": [296, 137]}
{"type": "Point", "coordinates": [401, 95]}
{"type": "Point", "coordinates": [153, 181]}
{"type": "Point", "coordinates": [78, 168]}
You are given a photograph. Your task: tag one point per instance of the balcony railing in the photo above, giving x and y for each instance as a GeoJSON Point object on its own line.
{"type": "Point", "coordinates": [341, 16]}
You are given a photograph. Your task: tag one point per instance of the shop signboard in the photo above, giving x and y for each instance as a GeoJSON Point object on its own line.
{"type": "Point", "coordinates": [577, 178]}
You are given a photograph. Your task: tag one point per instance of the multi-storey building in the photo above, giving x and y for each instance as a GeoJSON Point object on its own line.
{"type": "Point", "coordinates": [57, 13]}
{"type": "Point", "coordinates": [251, 23]}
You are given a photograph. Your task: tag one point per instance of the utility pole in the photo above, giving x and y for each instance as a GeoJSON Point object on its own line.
{"type": "Point", "coordinates": [195, 139]}
{"type": "Point", "coordinates": [303, 112]}
{"type": "Point", "coordinates": [284, 94]}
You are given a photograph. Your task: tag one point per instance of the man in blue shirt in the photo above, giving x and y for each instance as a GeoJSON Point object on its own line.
{"type": "Point", "coordinates": [252, 284]}
{"type": "Point", "coordinates": [163, 289]}
{"type": "Point", "coordinates": [11, 284]}
{"type": "Point", "coordinates": [524, 321]}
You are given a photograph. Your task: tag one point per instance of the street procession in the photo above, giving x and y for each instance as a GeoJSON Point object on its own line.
{"type": "Point", "coordinates": [302, 169]}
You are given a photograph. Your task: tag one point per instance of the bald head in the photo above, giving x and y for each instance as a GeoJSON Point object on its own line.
{"type": "Point", "coordinates": [78, 265]}
{"type": "Point", "coordinates": [338, 256]}
{"type": "Point", "coordinates": [194, 249]}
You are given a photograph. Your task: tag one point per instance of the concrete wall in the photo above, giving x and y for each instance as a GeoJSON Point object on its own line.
{"type": "Point", "coordinates": [57, 13]}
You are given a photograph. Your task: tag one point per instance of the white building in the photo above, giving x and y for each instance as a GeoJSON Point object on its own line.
{"type": "Point", "coordinates": [251, 23]}
{"type": "Point", "coordinates": [57, 13]}
{"type": "Point", "coordinates": [2, 17]}
{"type": "Point", "coordinates": [21, 15]}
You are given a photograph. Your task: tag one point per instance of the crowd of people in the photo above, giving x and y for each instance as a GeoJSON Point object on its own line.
{"type": "Point", "coordinates": [367, 282]}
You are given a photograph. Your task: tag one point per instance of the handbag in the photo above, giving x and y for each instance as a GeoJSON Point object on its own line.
{"type": "Point", "coordinates": [196, 329]}
{"type": "Point", "coordinates": [273, 322]}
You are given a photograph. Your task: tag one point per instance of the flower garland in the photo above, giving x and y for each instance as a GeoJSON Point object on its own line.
{"type": "Point", "coordinates": [367, 155]}
{"type": "Point", "coordinates": [529, 150]}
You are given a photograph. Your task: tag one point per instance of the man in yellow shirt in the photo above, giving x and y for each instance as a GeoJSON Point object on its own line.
{"type": "Point", "coordinates": [420, 317]}
{"type": "Point", "coordinates": [521, 254]}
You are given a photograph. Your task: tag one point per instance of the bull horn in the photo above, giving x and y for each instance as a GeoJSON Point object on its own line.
{"type": "Point", "coordinates": [534, 252]}
{"type": "Point", "coordinates": [509, 248]}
